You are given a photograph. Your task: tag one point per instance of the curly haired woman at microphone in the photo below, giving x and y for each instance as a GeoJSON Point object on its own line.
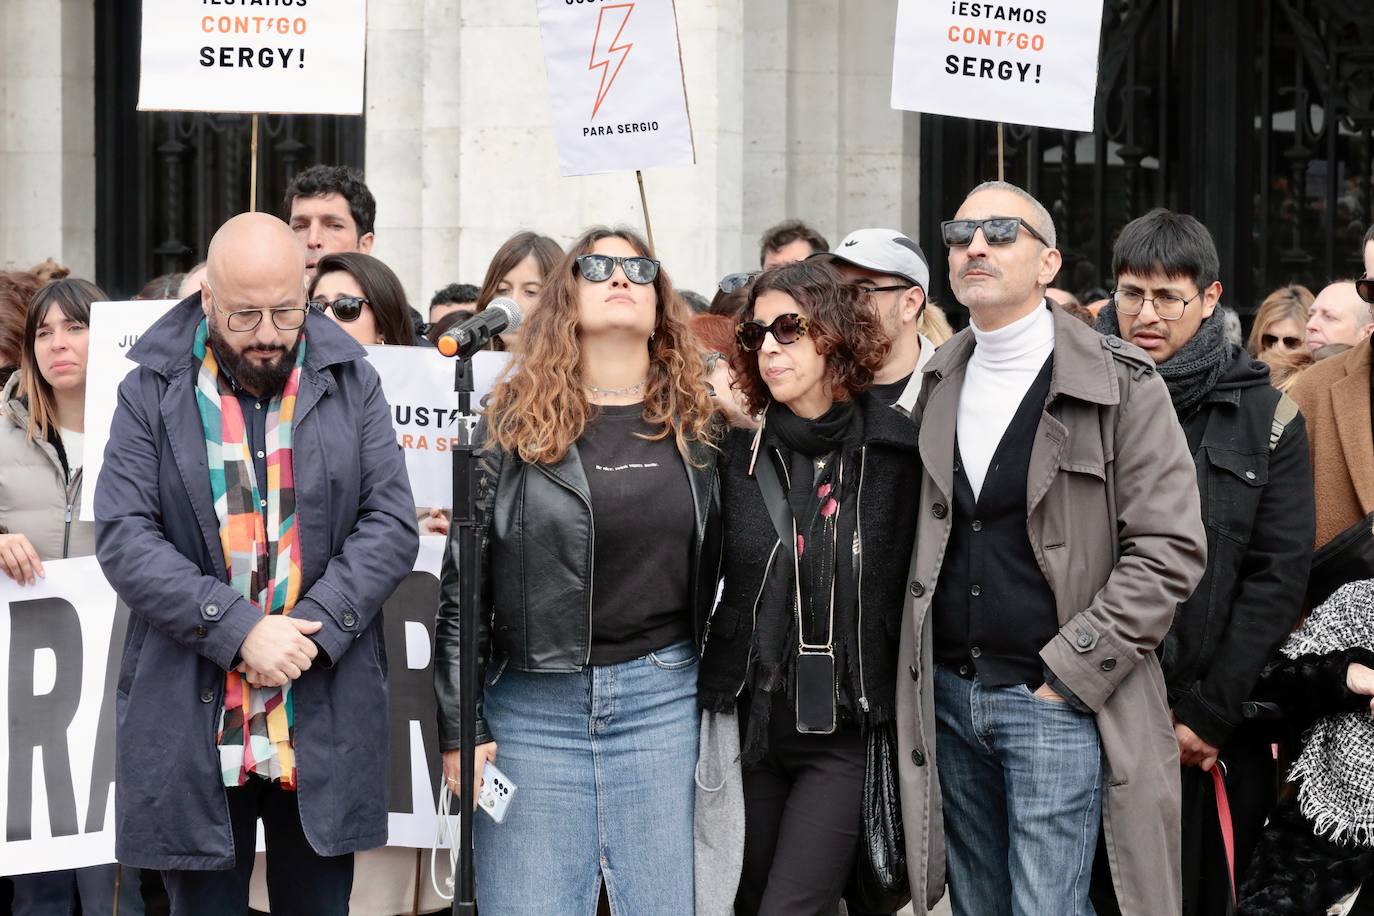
{"type": "Point", "coordinates": [600, 557]}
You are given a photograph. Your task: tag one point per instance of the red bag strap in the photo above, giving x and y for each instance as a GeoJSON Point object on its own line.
{"type": "Point", "coordinates": [1228, 836]}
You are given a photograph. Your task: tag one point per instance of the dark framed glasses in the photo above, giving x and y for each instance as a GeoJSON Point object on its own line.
{"type": "Point", "coordinates": [786, 329]}
{"type": "Point", "coordinates": [597, 268]}
{"type": "Point", "coordinates": [731, 283]}
{"type": "Point", "coordinates": [1169, 308]}
{"type": "Point", "coordinates": [1365, 287]}
{"type": "Point", "coordinates": [243, 320]}
{"type": "Point", "coordinates": [345, 308]}
{"type": "Point", "coordinates": [998, 230]}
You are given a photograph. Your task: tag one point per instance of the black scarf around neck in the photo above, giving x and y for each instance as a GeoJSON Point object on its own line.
{"type": "Point", "coordinates": [821, 436]}
{"type": "Point", "coordinates": [1199, 364]}
{"type": "Point", "coordinates": [820, 491]}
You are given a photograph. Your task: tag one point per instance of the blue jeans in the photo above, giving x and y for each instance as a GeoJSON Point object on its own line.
{"type": "Point", "coordinates": [1021, 778]}
{"type": "Point", "coordinates": [55, 893]}
{"type": "Point", "coordinates": [602, 760]}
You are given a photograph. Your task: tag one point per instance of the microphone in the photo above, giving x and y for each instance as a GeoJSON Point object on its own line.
{"type": "Point", "coordinates": [477, 332]}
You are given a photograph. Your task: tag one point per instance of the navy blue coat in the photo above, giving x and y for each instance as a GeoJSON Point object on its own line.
{"type": "Point", "coordinates": [158, 543]}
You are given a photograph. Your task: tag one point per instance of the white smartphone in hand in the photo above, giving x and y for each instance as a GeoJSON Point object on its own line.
{"type": "Point", "coordinates": [497, 792]}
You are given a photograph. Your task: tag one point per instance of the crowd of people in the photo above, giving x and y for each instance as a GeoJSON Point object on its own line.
{"type": "Point", "coordinates": [790, 597]}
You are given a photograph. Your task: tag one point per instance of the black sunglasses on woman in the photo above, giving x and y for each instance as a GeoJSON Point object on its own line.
{"type": "Point", "coordinates": [345, 308]}
{"type": "Point", "coordinates": [786, 329]}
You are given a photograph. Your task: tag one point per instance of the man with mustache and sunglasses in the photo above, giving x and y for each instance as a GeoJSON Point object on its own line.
{"type": "Point", "coordinates": [893, 269]}
{"type": "Point", "coordinates": [1249, 446]}
{"type": "Point", "coordinates": [1059, 529]}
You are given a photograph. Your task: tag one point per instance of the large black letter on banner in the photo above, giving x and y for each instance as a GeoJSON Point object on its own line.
{"type": "Point", "coordinates": [410, 692]}
{"type": "Point", "coordinates": [103, 761]}
{"type": "Point", "coordinates": [42, 721]}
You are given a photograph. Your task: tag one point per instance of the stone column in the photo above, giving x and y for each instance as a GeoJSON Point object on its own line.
{"type": "Point", "coordinates": [47, 134]}
{"type": "Point", "coordinates": [821, 142]}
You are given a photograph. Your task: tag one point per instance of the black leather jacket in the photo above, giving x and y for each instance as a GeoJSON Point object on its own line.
{"type": "Point", "coordinates": [536, 555]}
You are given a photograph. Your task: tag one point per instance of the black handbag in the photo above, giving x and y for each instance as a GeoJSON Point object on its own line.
{"type": "Point", "coordinates": [879, 883]}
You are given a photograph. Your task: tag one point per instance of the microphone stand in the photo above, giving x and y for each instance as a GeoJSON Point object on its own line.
{"type": "Point", "coordinates": [465, 523]}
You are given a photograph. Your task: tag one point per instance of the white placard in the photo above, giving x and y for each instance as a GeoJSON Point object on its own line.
{"type": "Point", "coordinates": [615, 85]}
{"type": "Point", "coordinates": [115, 327]}
{"type": "Point", "coordinates": [57, 811]}
{"type": "Point", "coordinates": [417, 381]}
{"type": "Point", "coordinates": [1024, 62]}
{"type": "Point", "coordinates": [288, 56]}
{"type": "Point", "coordinates": [64, 635]}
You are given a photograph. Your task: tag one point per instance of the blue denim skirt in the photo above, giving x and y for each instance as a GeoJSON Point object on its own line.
{"type": "Point", "coordinates": [603, 763]}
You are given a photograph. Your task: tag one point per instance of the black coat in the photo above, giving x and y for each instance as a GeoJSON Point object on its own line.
{"type": "Point", "coordinates": [536, 553]}
{"type": "Point", "coordinates": [1258, 511]}
{"type": "Point", "coordinates": [889, 482]}
{"type": "Point", "coordinates": [159, 545]}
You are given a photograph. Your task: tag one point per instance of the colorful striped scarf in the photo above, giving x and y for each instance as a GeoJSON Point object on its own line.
{"type": "Point", "coordinates": [256, 732]}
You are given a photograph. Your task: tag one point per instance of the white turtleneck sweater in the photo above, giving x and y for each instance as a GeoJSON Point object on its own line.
{"type": "Point", "coordinates": [1004, 364]}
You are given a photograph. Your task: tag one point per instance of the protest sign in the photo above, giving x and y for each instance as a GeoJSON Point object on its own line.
{"type": "Point", "coordinates": [615, 85]}
{"type": "Point", "coordinates": [62, 640]}
{"type": "Point", "coordinates": [286, 57]}
{"type": "Point", "coordinates": [417, 381]}
{"type": "Point", "coordinates": [1026, 62]}
{"type": "Point", "coordinates": [115, 327]}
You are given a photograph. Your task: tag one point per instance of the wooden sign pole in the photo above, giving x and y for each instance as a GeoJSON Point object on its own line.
{"type": "Point", "coordinates": [1001, 153]}
{"type": "Point", "coordinates": [644, 203]}
{"type": "Point", "coordinates": [253, 169]}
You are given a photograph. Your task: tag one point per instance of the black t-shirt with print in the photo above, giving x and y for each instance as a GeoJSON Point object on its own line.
{"type": "Point", "coordinates": [645, 525]}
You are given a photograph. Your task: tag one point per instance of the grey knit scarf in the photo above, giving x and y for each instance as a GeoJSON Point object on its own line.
{"type": "Point", "coordinates": [1198, 365]}
{"type": "Point", "coordinates": [1336, 765]}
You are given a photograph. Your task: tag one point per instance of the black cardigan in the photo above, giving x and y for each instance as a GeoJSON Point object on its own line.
{"type": "Point", "coordinates": [888, 491]}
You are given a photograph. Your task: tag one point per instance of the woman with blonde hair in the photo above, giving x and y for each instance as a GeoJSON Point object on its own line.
{"type": "Point", "coordinates": [1280, 324]}
{"type": "Point", "coordinates": [600, 505]}
{"type": "Point", "coordinates": [933, 325]}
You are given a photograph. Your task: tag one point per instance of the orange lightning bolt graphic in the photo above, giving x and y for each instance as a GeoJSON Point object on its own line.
{"type": "Point", "coordinates": [604, 60]}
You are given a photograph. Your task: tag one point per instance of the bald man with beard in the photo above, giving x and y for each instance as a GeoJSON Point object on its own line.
{"type": "Point", "coordinates": [253, 513]}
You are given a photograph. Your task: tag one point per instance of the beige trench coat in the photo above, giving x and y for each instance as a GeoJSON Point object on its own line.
{"type": "Point", "coordinates": [1115, 524]}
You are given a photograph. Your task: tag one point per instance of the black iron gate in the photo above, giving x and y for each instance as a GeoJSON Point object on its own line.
{"type": "Point", "coordinates": [1253, 115]}
{"type": "Point", "coordinates": [166, 180]}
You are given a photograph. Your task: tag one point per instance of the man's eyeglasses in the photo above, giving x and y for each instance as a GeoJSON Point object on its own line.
{"type": "Point", "coordinates": [786, 329]}
{"type": "Point", "coordinates": [1170, 308]}
{"type": "Point", "coordinates": [884, 289]}
{"type": "Point", "coordinates": [1365, 287]}
{"type": "Point", "coordinates": [1268, 341]}
{"type": "Point", "coordinates": [243, 320]}
{"type": "Point", "coordinates": [997, 230]}
{"type": "Point", "coordinates": [345, 308]}
{"type": "Point", "coordinates": [597, 268]}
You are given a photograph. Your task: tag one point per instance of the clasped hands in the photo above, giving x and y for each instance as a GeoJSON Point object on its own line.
{"type": "Point", "coordinates": [277, 650]}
